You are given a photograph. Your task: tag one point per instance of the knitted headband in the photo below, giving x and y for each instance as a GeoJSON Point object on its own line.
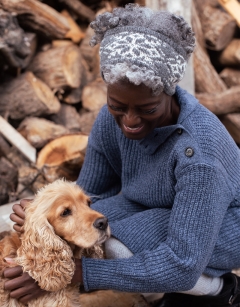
{"type": "Point", "coordinates": [146, 49]}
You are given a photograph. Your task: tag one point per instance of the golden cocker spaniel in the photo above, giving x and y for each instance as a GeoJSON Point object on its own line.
{"type": "Point", "coordinates": [59, 226]}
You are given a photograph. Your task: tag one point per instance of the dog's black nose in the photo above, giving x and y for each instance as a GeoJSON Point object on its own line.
{"type": "Point", "coordinates": [101, 223]}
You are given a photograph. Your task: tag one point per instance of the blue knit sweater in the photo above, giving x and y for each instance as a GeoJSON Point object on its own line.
{"type": "Point", "coordinates": [178, 210]}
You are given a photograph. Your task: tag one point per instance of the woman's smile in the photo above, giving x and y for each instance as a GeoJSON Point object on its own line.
{"type": "Point", "coordinates": [133, 130]}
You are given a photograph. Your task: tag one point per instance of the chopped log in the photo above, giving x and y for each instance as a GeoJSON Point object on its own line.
{"type": "Point", "coordinates": [75, 33]}
{"type": "Point", "coordinates": [8, 176]}
{"type": "Point", "coordinates": [38, 16]}
{"type": "Point", "coordinates": [230, 56]}
{"type": "Point", "coordinates": [91, 54]}
{"type": "Point", "coordinates": [16, 139]}
{"type": "Point", "coordinates": [16, 46]}
{"type": "Point", "coordinates": [110, 298]}
{"type": "Point", "coordinates": [94, 95]}
{"type": "Point", "coordinates": [67, 117]}
{"type": "Point", "coordinates": [25, 96]}
{"type": "Point", "coordinates": [39, 183]}
{"type": "Point", "coordinates": [230, 76]}
{"type": "Point", "coordinates": [39, 131]}
{"type": "Point", "coordinates": [4, 147]}
{"type": "Point", "coordinates": [87, 120]}
{"type": "Point", "coordinates": [206, 77]}
{"type": "Point", "coordinates": [233, 8]}
{"type": "Point", "coordinates": [16, 158]}
{"type": "Point", "coordinates": [73, 96]}
{"type": "Point", "coordinates": [63, 157]}
{"type": "Point", "coordinates": [27, 175]}
{"type": "Point", "coordinates": [218, 27]}
{"type": "Point", "coordinates": [79, 9]}
{"type": "Point", "coordinates": [221, 103]}
{"type": "Point", "coordinates": [232, 123]}
{"type": "Point", "coordinates": [59, 67]}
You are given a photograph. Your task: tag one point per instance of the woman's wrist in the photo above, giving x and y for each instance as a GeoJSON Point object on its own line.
{"type": "Point", "coordinates": [77, 276]}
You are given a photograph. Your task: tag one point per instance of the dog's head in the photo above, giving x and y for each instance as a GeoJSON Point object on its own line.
{"type": "Point", "coordinates": [59, 215]}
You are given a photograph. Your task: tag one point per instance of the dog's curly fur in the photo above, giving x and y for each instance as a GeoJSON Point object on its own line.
{"type": "Point", "coordinates": [59, 225]}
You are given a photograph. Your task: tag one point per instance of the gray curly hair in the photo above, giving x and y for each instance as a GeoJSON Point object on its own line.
{"type": "Point", "coordinates": [143, 46]}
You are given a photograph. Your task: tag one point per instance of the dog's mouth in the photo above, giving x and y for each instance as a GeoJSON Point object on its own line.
{"type": "Point", "coordinates": [104, 236]}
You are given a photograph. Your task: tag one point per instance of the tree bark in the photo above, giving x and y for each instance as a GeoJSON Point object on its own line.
{"type": "Point", "coordinates": [25, 96]}
{"type": "Point", "coordinates": [59, 67]}
{"type": "Point", "coordinates": [79, 9]}
{"type": "Point", "coordinates": [94, 95]}
{"type": "Point", "coordinates": [16, 46]}
{"type": "Point", "coordinates": [230, 76]}
{"type": "Point", "coordinates": [38, 16]}
{"type": "Point", "coordinates": [39, 131]}
{"type": "Point", "coordinates": [232, 123]}
{"type": "Point", "coordinates": [230, 56]}
{"type": "Point", "coordinates": [221, 103]}
{"type": "Point", "coordinates": [75, 33]}
{"type": "Point", "coordinates": [67, 117]}
{"type": "Point", "coordinates": [207, 79]}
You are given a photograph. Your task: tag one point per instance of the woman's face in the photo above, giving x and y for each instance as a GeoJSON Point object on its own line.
{"type": "Point", "coordinates": [136, 111]}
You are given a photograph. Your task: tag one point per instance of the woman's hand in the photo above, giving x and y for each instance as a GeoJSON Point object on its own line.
{"type": "Point", "coordinates": [24, 288]}
{"type": "Point", "coordinates": [21, 286]}
{"type": "Point", "coordinates": [18, 216]}
{"type": "Point", "coordinates": [77, 277]}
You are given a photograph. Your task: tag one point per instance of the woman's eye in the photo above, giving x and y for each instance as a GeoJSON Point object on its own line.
{"type": "Point", "coordinates": [115, 108]}
{"type": "Point", "coordinates": [149, 111]}
{"type": "Point", "coordinates": [66, 212]}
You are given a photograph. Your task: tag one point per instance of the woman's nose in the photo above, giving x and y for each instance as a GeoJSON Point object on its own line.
{"type": "Point", "coordinates": [131, 119]}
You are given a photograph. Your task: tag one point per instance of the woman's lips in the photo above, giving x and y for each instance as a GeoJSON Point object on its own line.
{"type": "Point", "coordinates": [133, 130]}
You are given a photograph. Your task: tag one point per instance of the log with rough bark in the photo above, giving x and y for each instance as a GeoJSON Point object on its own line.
{"type": "Point", "coordinates": [230, 56]}
{"type": "Point", "coordinates": [230, 76]}
{"type": "Point", "coordinates": [75, 33]}
{"type": "Point", "coordinates": [16, 46]}
{"type": "Point", "coordinates": [27, 96]}
{"type": "Point", "coordinates": [218, 27]}
{"type": "Point", "coordinates": [59, 67]}
{"type": "Point", "coordinates": [79, 9]}
{"type": "Point", "coordinates": [4, 147]}
{"type": "Point", "coordinates": [90, 54]}
{"type": "Point", "coordinates": [67, 117]}
{"type": "Point", "coordinates": [8, 180]}
{"type": "Point", "coordinates": [206, 77]}
{"type": "Point", "coordinates": [232, 123]}
{"type": "Point", "coordinates": [63, 157]}
{"type": "Point", "coordinates": [38, 16]}
{"type": "Point", "coordinates": [39, 131]}
{"type": "Point", "coordinates": [221, 103]}
{"type": "Point", "coordinates": [86, 121]}
{"type": "Point", "coordinates": [94, 95]}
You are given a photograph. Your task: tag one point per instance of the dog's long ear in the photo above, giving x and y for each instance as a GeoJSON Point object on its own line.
{"type": "Point", "coordinates": [45, 256]}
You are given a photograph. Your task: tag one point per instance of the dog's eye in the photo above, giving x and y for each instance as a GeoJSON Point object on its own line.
{"type": "Point", "coordinates": [89, 202]}
{"type": "Point", "coordinates": [66, 212]}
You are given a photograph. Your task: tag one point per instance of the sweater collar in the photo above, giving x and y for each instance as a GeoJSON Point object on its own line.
{"type": "Point", "coordinates": [159, 135]}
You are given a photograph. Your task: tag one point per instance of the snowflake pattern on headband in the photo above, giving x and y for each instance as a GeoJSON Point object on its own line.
{"type": "Point", "coordinates": [145, 50]}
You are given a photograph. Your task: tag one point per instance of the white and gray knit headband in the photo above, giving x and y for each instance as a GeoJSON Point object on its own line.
{"type": "Point", "coordinates": [146, 49]}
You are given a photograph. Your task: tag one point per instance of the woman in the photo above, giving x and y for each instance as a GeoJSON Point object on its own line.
{"type": "Point", "coordinates": [161, 167]}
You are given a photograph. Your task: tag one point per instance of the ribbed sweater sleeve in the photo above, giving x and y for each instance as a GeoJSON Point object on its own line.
{"type": "Point", "coordinates": [201, 201]}
{"type": "Point", "coordinates": [97, 176]}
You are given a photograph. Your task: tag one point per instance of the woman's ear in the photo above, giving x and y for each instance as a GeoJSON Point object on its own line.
{"type": "Point", "coordinates": [45, 256]}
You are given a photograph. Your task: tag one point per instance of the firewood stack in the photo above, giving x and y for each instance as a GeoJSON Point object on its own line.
{"type": "Point", "coordinates": [50, 90]}
{"type": "Point", "coordinates": [217, 61]}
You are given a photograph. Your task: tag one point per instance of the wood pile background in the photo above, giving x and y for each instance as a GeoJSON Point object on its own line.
{"type": "Point", "coordinates": [51, 90]}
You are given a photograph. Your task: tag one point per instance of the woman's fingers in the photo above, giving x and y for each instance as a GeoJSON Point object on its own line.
{"type": "Point", "coordinates": [13, 272]}
{"type": "Point", "coordinates": [23, 288]}
{"type": "Point", "coordinates": [16, 219]}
